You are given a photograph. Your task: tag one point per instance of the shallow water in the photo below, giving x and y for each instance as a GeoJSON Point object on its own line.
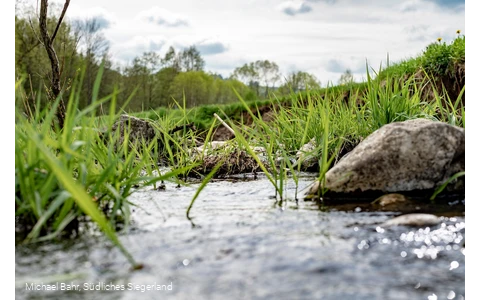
{"type": "Point", "coordinates": [246, 246]}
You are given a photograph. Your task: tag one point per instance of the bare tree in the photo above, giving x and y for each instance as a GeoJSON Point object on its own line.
{"type": "Point", "coordinates": [191, 60]}
{"type": "Point", "coordinates": [94, 46]}
{"type": "Point", "coordinates": [268, 72]}
{"type": "Point", "coordinates": [346, 78]}
{"type": "Point", "coordinates": [55, 88]}
{"type": "Point", "coordinates": [299, 81]}
{"type": "Point", "coordinates": [171, 60]}
{"type": "Point", "coordinates": [248, 74]}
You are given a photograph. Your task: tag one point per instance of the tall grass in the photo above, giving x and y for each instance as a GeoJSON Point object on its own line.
{"type": "Point", "coordinates": [292, 126]}
{"type": "Point", "coordinates": [336, 122]}
{"type": "Point", "coordinates": [394, 100]}
{"type": "Point", "coordinates": [66, 176]}
{"type": "Point", "coordinates": [85, 171]}
{"type": "Point", "coordinates": [333, 121]}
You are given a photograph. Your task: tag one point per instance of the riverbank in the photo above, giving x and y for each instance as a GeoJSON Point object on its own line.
{"type": "Point", "coordinates": [66, 178]}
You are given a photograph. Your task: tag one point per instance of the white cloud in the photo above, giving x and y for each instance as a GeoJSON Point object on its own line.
{"type": "Point", "coordinates": [326, 1]}
{"type": "Point", "coordinates": [450, 3]}
{"type": "Point", "coordinates": [410, 5]}
{"type": "Point", "coordinates": [211, 47]}
{"type": "Point", "coordinates": [206, 45]}
{"type": "Point", "coordinates": [162, 17]}
{"type": "Point", "coordinates": [235, 32]}
{"type": "Point", "coordinates": [105, 18]}
{"type": "Point", "coordinates": [294, 7]}
{"type": "Point", "coordinates": [340, 65]}
{"type": "Point", "coordinates": [136, 46]}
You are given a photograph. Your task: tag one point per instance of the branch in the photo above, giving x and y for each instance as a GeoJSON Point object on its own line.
{"type": "Point", "coordinates": [43, 23]}
{"type": "Point", "coordinates": [224, 124]}
{"type": "Point", "coordinates": [27, 51]}
{"type": "Point", "coordinates": [33, 30]}
{"type": "Point", "coordinates": [52, 55]}
{"type": "Point", "coordinates": [47, 42]}
{"type": "Point", "coordinates": [67, 2]}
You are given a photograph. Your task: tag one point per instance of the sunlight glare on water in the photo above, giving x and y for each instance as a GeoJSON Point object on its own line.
{"type": "Point", "coordinates": [243, 245]}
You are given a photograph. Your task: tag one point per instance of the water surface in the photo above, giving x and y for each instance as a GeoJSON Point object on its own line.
{"type": "Point", "coordinates": [247, 246]}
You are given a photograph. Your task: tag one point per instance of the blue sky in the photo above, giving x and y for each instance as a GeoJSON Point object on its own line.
{"type": "Point", "coordinates": [323, 37]}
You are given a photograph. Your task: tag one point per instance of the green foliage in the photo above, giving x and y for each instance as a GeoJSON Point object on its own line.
{"type": "Point", "coordinates": [443, 186]}
{"type": "Point", "coordinates": [31, 58]}
{"type": "Point", "coordinates": [398, 70]}
{"type": "Point", "coordinates": [195, 85]}
{"type": "Point", "coordinates": [243, 137]}
{"type": "Point", "coordinates": [204, 183]}
{"type": "Point", "coordinates": [247, 73]}
{"type": "Point", "coordinates": [255, 73]}
{"type": "Point", "coordinates": [299, 81]}
{"type": "Point", "coordinates": [458, 49]}
{"type": "Point", "coordinates": [191, 60]}
{"type": "Point", "coordinates": [152, 78]}
{"type": "Point", "coordinates": [224, 91]}
{"type": "Point", "coordinates": [202, 88]}
{"type": "Point", "coordinates": [452, 112]}
{"type": "Point", "coordinates": [438, 59]}
{"type": "Point", "coordinates": [335, 117]}
{"type": "Point", "coordinates": [63, 176]}
{"type": "Point", "coordinates": [391, 100]}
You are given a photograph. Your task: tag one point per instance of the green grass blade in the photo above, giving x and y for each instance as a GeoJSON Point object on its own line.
{"type": "Point", "coordinates": [82, 198]}
{"type": "Point", "coordinates": [443, 186]}
{"type": "Point", "coordinates": [205, 181]}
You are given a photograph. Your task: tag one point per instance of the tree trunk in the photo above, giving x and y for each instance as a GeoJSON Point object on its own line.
{"type": "Point", "coordinates": [52, 55]}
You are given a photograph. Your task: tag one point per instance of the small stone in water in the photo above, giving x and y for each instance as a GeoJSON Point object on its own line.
{"type": "Point", "coordinates": [413, 220]}
{"type": "Point", "coordinates": [391, 199]}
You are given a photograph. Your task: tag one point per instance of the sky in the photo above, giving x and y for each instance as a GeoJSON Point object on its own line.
{"type": "Point", "coordinates": [322, 37]}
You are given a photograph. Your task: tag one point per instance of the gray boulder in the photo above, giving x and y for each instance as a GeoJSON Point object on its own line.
{"type": "Point", "coordinates": [404, 156]}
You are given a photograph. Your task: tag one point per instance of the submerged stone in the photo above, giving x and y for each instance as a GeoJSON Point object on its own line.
{"type": "Point", "coordinates": [413, 220]}
{"type": "Point", "coordinates": [390, 200]}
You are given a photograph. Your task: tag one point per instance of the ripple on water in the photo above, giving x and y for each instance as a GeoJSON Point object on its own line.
{"type": "Point", "coordinates": [246, 246]}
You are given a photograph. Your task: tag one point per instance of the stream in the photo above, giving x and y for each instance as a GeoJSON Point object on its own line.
{"type": "Point", "coordinates": [245, 245]}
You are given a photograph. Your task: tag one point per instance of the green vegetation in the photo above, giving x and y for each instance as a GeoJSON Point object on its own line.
{"type": "Point", "coordinates": [63, 176]}
{"type": "Point", "coordinates": [437, 60]}
{"type": "Point", "coordinates": [157, 81]}
{"type": "Point", "coordinates": [336, 125]}
{"type": "Point", "coordinates": [66, 176]}
{"type": "Point", "coordinates": [443, 186]}
{"type": "Point", "coordinates": [407, 81]}
{"type": "Point", "coordinates": [338, 118]}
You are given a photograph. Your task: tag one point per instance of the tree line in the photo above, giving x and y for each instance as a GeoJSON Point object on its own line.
{"type": "Point", "coordinates": [155, 80]}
